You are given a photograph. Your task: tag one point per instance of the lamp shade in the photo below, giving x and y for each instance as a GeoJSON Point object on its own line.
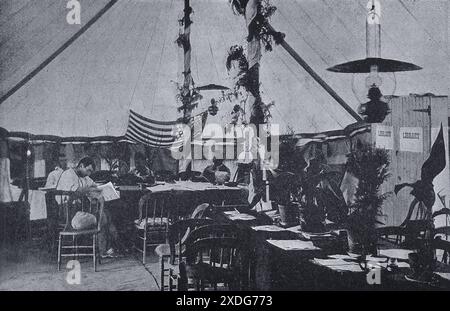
{"type": "Point", "coordinates": [383, 64]}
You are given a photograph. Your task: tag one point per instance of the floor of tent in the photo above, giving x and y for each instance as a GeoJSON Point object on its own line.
{"type": "Point", "coordinates": [29, 266]}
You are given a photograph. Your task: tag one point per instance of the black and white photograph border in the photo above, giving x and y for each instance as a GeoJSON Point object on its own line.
{"type": "Point", "coordinates": [224, 145]}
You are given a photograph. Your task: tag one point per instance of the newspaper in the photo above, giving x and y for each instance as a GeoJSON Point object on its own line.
{"type": "Point", "coordinates": [109, 192]}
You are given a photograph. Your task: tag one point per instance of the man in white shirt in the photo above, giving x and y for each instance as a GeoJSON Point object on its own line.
{"type": "Point", "coordinates": [77, 179]}
{"type": "Point", "coordinates": [53, 176]}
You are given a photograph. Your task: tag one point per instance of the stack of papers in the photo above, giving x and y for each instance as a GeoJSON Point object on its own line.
{"type": "Point", "coordinates": [290, 245]}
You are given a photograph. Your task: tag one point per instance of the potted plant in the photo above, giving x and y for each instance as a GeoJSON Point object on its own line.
{"type": "Point", "coordinates": [314, 182]}
{"type": "Point", "coordinates": [283, 194]}
{"type": "Point", "coordinates": [368, 167]}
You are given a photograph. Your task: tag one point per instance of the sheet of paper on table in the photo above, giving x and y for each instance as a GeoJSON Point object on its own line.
{"type": "Point", "coordinates": [395, 253]}
{"type": "Point", "coordinates": [271, 228]}
{"type": "Point", "coordinates": [295, 229]}
{"type": "Point", "coordinates": [339, 265]}
{"type": "Point", "coordinates": [272, 213]}
{"type": "Point", "coordinates": [444, 275]}
{"type": "Point", "coordinates": [289, 245]}
{"type": "Point", "coordinates": [46, 188]}
{"type": "Point", "coordinates": [109, 192]}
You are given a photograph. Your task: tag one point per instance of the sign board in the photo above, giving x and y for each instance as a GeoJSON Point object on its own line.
{"type": "Point", "coordinates": [411, 139]}
{"type": "Point", "coordinates": [384, 137]}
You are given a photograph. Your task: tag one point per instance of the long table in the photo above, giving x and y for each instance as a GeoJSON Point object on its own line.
{"type": "Point", "coordinates": [282, 259]}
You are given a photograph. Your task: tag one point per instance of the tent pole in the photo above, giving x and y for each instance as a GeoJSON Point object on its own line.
{"type": "Point", "coordinates": [187, 108]}
{"type": "Point", "coordinates": [318, 79]}
{"type": "Point", "coordinates": [66, 44]}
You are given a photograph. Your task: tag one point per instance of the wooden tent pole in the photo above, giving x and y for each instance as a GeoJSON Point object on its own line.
{"type": "Point", "coordinates": [187, 109]}
{"type": "Point", "coordinates": [318, 79]}
{"type": "Point", "coordinates": [66, 44]}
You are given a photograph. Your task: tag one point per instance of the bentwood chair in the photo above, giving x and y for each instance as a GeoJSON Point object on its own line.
{"type": "Point", "coordinates": [211, 261]}
{"type": "Point", "coordinates": [71, 203]}
{"type": "Point", "coordinates": [444, 247]}
{"type": "Point", "coordinates": [156, 213]}
{"type": "Point", "coordinates": [169, 253]}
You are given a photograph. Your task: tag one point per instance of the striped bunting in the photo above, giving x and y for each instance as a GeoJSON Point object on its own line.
{"type": "Point", "coordinates": [159, 133]}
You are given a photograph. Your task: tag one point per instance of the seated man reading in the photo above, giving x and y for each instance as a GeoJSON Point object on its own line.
{"type": "Point", "coordinates": [77, 179]}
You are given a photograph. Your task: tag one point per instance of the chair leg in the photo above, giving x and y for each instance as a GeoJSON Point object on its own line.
{"type": "Point", "coordinates": [170, 280]}
{"type": "Point", "coordinates": [59, 252]}
{"type": "Point", "coordinates": [94, 251]}
{"type": "Point", "coordinates": [74, 250]}
{"type": "Point", "coordinates": [144, 249]}
{"type": "Point", "coordinates": [97, 249]}
{"type": "Point", "coordinates": [162, 273]}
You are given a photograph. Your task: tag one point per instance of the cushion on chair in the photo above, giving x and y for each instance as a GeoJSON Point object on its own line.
{"type": "Point", "coordinates": [153, 222]}
{"type": "Point", "coordinates": [162, 250]}
{"type": "Point", "coordinates": [83, 221]}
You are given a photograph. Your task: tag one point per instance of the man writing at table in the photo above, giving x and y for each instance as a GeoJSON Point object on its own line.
{"type": "Point", "coordinates": [77, 179]}
{"type": "Point", "coordinates": [210, 171]}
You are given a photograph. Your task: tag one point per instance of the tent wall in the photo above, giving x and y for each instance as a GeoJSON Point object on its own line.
{"type": "Point", "coordinates": [405, 165]}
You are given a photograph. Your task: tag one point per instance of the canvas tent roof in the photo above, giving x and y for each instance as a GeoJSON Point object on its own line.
{"type": "Point", "coordinates": [127, 59]}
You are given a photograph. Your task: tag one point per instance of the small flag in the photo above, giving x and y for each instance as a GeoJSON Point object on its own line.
{"type": "Point", "coordinates": [436, 161]}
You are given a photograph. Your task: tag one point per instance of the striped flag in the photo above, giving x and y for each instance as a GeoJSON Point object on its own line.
{"type": "Point", "coordinates": [164, 134]}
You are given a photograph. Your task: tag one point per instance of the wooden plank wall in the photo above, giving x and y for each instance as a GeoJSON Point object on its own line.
{"type": "Point", "coordinates": [406, 166]}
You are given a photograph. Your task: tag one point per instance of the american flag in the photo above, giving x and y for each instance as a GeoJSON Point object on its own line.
{"type": "Point", "coordinates": [164, 134]}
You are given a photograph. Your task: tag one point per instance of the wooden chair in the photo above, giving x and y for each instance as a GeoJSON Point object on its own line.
{"type": "Point", "coordinates": [169, 253]}
{"type": "Point", "coordinates": [442, 231]}
{"type": "Point", "coordinates": [413, 227]}
{"type": "Point", "coordinates": [155, 216]}
{"type": "Point", "coordinates": [70, 203]}
{"type": "Point", "coordinates": [400, 236]}
{"type": "Point", "coordinates": [393, 234]}
{"type": "Point", "coordinates": [210, 261]}
{"type": "Point", "coordinates": [444, 246]}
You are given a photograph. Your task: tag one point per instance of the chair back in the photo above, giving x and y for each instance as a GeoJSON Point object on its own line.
{"type": "Point", "coordinates": [439, 244]}
{"type": "Point", "coordinates": [179, 232]}
{"type": "Point", "coordinates": [417, 212]}
{"type": "Point", "coordinates": [221, 252]}
{"type": "Point", "coordinates": [401, 236]}
{"type": "Point", "coordinates": [153, 209]}
{"type": "Point", "coordinates": [215, 230]}
{"type": "Point", "coordinates": [63, 205]}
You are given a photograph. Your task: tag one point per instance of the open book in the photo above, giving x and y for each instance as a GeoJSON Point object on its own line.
{"type": "Point", "coordinates": [109, 192]}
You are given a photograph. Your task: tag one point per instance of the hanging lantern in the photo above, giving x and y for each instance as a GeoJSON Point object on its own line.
{"type": "Point", "coordinates": [375, 110]}
{"type": "Point", "coordinates": [213, 109]}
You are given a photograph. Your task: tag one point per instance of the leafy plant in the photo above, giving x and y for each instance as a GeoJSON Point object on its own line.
{"type": "Point", "coordinates": [370, 166]}
{"type": "Point", "coordinates": [260, 28]}
{"type": "Point", "coordinates": [317, 185]}
{"type": "Point", "coordinates": [246, 82]}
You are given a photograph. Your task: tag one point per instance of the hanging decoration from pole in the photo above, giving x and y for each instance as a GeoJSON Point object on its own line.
{"type": "Point", "coordinates": [187, 95]}
{"type": "Point", "coordinates": [257, 14]}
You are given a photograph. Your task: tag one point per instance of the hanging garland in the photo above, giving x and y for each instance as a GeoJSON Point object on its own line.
{"type": "Point", "coordinates": [246, 82]}
{"type": "Point", "coordinates": [247, 79]}
{"type": "Point", "coordinates": [259, 28]}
